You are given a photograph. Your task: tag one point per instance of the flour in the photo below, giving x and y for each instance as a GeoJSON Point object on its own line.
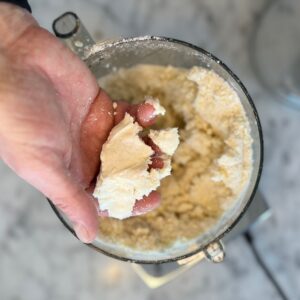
{"type": "Point", "coordinates": [216, 103]}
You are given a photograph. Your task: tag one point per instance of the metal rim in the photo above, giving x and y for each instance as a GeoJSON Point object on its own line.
{"type": "Point", "coordinates": [259, 171]}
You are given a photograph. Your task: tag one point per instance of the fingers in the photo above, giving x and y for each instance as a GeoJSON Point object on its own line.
{"type": "Point", "coordinates": [94, 132]}
{"type": "Point", "coordinates": [147, 204]}
{"type": "Point", "coordinates": [143, 113]}
{"type": "Point", "coordinates": [156, 161]}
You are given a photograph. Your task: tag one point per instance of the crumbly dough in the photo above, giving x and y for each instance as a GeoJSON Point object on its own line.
{"type": "Point", "coordinates": [124, 177]}
{"type": "Point", "coordinates": [212, 165]}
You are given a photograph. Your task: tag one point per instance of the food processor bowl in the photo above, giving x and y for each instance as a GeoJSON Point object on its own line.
{"type": "Point", "coordinates": [105, 57]}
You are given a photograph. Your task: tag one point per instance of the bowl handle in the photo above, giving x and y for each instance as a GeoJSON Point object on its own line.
{"type": "Point", "coordinates": [213, 252]}
{"type": "Point", "coordinates": [71, 31]}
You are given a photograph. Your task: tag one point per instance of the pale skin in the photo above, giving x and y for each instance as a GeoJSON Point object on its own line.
{"type": "Point", "coordinates": [54, 119]}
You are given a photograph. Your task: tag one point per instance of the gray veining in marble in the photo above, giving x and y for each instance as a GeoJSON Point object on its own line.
{"type": "Point", "coordinates": [40, 260]}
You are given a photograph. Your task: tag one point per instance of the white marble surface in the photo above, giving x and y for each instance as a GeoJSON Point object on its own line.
{"type": "Point", "coordinates": [40, 260]}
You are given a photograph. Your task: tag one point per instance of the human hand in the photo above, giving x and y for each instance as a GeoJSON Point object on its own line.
{"type": "Point", "coordinates": [54, 119]}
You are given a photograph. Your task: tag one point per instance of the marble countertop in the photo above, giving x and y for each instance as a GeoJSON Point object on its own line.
{"type": "Point", "coordinates": [40, 260]}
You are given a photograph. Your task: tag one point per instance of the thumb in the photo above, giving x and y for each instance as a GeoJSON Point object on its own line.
{"type": "Point", "coordinates": [61, 188]}
{"type": "Point", "coordinates": [80, 208]}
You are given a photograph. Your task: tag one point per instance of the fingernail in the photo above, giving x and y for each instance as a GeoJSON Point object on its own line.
{"type": "Point", "coordinates": [82, 233]}
{"type": "Point", "coordinates": [146, 112]}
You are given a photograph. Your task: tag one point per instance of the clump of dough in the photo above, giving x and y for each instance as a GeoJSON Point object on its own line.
{"type": "Point", "coordinates": [125, 176]}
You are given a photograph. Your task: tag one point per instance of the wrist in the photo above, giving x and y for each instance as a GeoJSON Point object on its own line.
{"type": "Point", "coordinates": [14, 21]}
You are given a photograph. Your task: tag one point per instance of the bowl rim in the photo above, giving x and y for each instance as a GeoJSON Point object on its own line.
{"type": "Point", "coordinates": [261, 145]}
